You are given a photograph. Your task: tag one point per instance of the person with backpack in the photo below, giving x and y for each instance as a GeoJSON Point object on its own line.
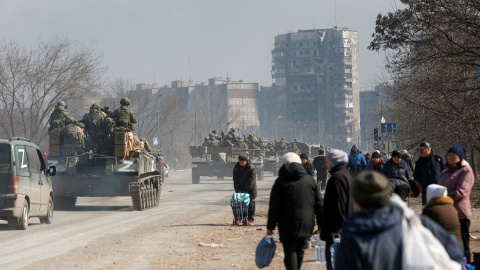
{"type": "Point", "coordinates": [428, 168]}
{"type": "Point", "coordinates": [373, 236]}
{"type": "Point", "coordinates": [125, 119]}
{"type": "Point", "coordinates": [356, 161]}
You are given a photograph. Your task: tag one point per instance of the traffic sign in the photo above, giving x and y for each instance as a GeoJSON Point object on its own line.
{"type": "Point", "coordinates": [155, 140]}
{"type": "Point", "coordinates": [389, 127]}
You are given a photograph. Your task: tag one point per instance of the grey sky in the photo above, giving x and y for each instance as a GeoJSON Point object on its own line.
{"type": "Point", "coordinates": [218, 36]}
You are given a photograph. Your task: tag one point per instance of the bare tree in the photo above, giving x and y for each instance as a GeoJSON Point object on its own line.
{"type": "Point", "coordinates": [32, 81]}
{"type": "Point", "coordinates": [432, 53]}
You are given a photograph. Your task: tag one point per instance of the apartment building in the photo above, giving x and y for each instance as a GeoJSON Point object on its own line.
{"type": "Point", "coordinates": [316, 85]}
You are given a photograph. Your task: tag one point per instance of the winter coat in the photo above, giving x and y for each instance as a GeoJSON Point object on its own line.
{"type": "Point", "coordinates": [400, 186]}
{"type": "Point", "coordinates": [459, 180]}
{"type": "Point", "coordinates": [442, 211]}
{"type": "Point", "coordinates": [244, 179]}
{"type": "Point", "coordinates": [372, 239]}
{"type": "Point", "coordinates": [428, 169]}
{"type": "Point", "coordinates": [408, 160]}
{"type": "Point", "coordinates": [356, 162]}
{"type": "Point", "coordinates": [375, 167]}
{"type": "Point", "coordinates": [319, 163]}
{"type": "Point", "coordinates": [338, 201]}
{"type": "Point", "coordinates": [309, 168]}
{"type": "Point", "coordinates": [392, 170]}
{"type": "Point", "coordinates": [294, 202]}
{"type": "Point", "coordinates": [161, 164]}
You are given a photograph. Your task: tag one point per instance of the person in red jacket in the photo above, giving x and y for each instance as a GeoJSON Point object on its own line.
{"type": "Point", "coordinates": [459, 179]}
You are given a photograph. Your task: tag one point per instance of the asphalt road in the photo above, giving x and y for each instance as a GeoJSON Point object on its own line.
{"type": "Point", "coordinates": [94, 219]}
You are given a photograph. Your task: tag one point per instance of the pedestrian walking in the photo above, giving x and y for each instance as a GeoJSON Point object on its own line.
{"type": "Point", "coordinates": [307, 164]}
{"type": "Point", "coordinates": [356, 161]}
{"type": "Point", "coordinates": [458, 178]}
{"type": "Point", "coordinates": [244, 181]}
{"type": "Point", "coordinates": [295, 203]}
{"type": "Point", "coordinates": [162, 166]}
{"type": "Point", "coordinates": [319, 164]}
{"type": "Point", "coordinates": [375, 164]}
{"type": "Point", "coordinates": [396, 167]}
{"type": "Point", "coordinates": [372, 237]}
{"type": "Point", "coordinates": [440, 209]}
{"type": "Point", "coordinates": [338, 201]}
{"type": "Point", "coordinates": [428, 168]}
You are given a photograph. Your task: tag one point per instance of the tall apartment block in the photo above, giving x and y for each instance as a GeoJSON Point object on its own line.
{"type": "Point", "coordinates": [316, 85]}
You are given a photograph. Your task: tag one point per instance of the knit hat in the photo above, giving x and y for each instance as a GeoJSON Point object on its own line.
{"type": "Point", "coordinates": [303, 155]}
{"type": "Point", "coordinates": [457, 149]}
{"type": "Point", "coordinates": [435, 190]}
{"type": "Point", "coordinates": [371, 189]}
{"type": "Point", "coordinates": [321, 152]}
{"type": "Point", "coordinates": [338, 156]}
{"type": "Point", "coordinates": [404, 151]}
{"type": "Point", "coordinates": [242, 157]}
{"type": "Point", "coordinates": [396, 153]}
{"type": "Point", "coordinates": [290, 157]}
{"type": "Point", "coordinates": [376, 155]}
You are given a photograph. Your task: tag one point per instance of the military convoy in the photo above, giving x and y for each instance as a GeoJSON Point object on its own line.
{"type": "Point", "coordinates": [114, 163]}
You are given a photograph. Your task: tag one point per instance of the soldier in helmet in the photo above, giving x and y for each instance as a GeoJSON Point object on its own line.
{"type": "Point", "coordinates": [93, 119]}
{"type": "Point", "coordinates": [58, 116]}
{"type": "Point", "coordinates": [124, 117]}
{"type": "Point", "coordinates": [73, 137]}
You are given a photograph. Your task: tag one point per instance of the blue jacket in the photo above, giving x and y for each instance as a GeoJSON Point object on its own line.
{"type": "Point", "coordinates": [392, 170]}
{"type": "Point", "coordinates": [372, 239]}
{"type": "Point", "coordinates": [356, 162]}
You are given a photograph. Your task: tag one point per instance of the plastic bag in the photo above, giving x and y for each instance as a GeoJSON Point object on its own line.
{"type": "Point", "coordinates": [421, 249]}
{"type": "Point", "coordinates": [265, 251]}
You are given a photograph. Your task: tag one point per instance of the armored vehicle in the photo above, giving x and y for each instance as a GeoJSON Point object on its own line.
{"type": "Point", "coordinates": [25, 186]}
{"type": "Point", "coordinates": [129, 170]}
{"type": "Point", "coordinates": [219, 161]}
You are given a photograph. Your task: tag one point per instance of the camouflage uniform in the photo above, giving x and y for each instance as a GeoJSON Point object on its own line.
{"type": "Point", "coordinates": [106, 142]}
{"type": "Point", "coordinates": [73, 138]}
{"type": "Point", "coordinates": [125, 119]}
{"type": "Point", "coordinates": [146, 145]}
{"type": "Point", "coordinates": [58, 116]}
{"type": "Point", "coordinates": [93, 119]}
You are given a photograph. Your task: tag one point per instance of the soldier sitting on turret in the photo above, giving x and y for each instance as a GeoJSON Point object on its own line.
{"type": "Point", "coordinates": [93, 119]}
{"type": "Point", "coordinates": [146, 145]}
{"type": "Point", "coordinates": [125, 118]}
{"type": "Point", "coordinates": [58, 116]}
{"type": "Point", "coordinates": [73, 138]}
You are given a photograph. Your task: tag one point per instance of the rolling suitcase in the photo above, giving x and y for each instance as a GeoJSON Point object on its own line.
{"type": "Point", "coordinates": [239, 203]}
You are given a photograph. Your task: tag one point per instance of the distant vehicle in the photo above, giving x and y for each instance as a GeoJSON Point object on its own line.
{"type": "Point", "coordinates": [219, 161]}
{"type": "Point", "coordinates": [25, 185]}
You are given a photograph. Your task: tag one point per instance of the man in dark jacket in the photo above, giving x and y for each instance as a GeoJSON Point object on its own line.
{"type": "Point", "coordinates": [294, 202]}
{"type": "Point", "coordinates": [428, 168]}
{"type": "Point", "coordinates": [396, 167]}
{"type": "Point", "coordinates": [321, 168]}
{"type": "Point", "coordinates": [356, 161]}
{"type": "Point", "coordinates": [338, 202]}
{"type": "Point", "coordinates": [244, 181]}
{"type": "Point", "coordinates": [372, 236]}
{"type": "Point", "coordinates": [307, 164]}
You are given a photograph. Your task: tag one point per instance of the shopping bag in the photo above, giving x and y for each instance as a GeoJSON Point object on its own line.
{"type": "Point", "coordinates": [265, 251]}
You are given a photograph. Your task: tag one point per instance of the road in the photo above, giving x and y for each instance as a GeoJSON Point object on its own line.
{"type": "Point", "coordinates": [191, 229]}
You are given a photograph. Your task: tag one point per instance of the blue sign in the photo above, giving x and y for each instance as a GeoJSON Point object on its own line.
{"type": "Point", "coordinates": [155, 140]}
{"type": "Point", "coordinates": [388, 128]}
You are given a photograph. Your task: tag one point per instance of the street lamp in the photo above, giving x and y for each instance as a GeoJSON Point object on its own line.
{"type": "Point", "coordinates": [276, 127]}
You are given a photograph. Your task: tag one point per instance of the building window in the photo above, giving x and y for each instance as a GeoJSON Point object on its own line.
{"type": "Point", "coordinates": [314, 52]}
{"type": "Point", "coordinates": [307, 52]}
{"type": "Point", "coordinates": [308, 43]}
{"type": "Point", "coordinates": [301, 52]}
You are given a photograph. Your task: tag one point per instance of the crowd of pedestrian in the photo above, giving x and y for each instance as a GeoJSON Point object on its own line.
{"type": "Point", "coordinates": [365, 205]}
